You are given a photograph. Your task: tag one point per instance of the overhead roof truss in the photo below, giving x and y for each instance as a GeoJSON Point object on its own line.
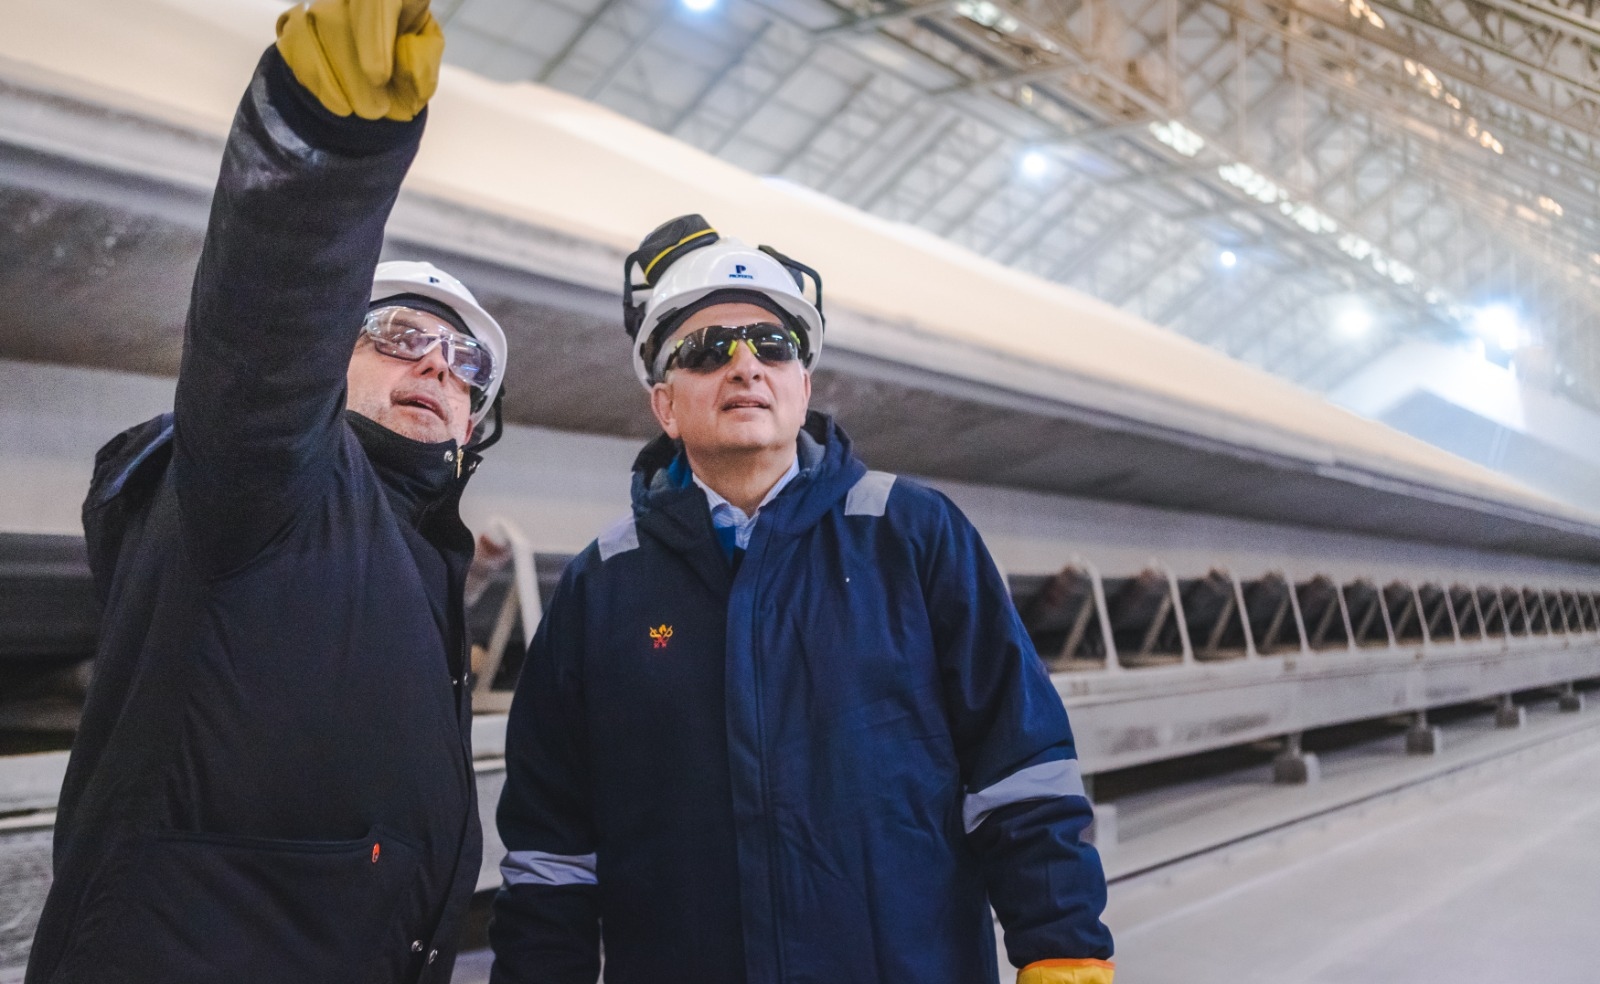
{"type": "Point", "coordinates": [1418, 157]}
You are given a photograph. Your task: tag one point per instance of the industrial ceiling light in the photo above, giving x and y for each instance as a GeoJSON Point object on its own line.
{"type": "Point", "coordinates": [1179, 137]}
{"type": "Point", "coordinates": [989, 15]}
{"type": "Point", "coordinates": [1353, 322]}
{"type": "Point", "coordinates": [1034, 165]}
{"type": "Point", "coordinates": [1361, 10]}
{"type": "Point", "coordinates": [1498, 325]}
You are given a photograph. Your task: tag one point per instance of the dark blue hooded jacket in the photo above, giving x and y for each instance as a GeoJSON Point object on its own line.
{"type": "Point", "coordinates": [822, 764]}
{"type": "Point", "coordinates": [272, 782]}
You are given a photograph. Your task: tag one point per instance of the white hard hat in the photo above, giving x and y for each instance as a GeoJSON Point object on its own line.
{"type": "Point", "coordinates": [698, 264]}
{"type": "Point", "coordinates": [396, 277]}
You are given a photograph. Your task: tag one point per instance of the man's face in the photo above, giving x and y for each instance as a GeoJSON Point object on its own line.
{"type": "Point", "coordinates": [421, 400]}
{"type": "Point", "coordinates": [744, 406]}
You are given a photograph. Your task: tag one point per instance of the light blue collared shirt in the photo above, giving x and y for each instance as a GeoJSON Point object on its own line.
{"type": "Point", "coordinates": [727, 516]}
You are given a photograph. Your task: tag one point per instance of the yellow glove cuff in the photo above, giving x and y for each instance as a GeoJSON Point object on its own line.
{"type": "Point", "coordinates": [376, 59]}
{"type": "Point", "coordinates": [1067, 972]}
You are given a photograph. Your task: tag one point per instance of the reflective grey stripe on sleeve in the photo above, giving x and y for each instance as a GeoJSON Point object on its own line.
{"type": "Point", "coordinates": [539, 868]}
{"type": "Point", "coordinates": [1044, 781]}
{"type": "Point", "coordinates": [870, 495]}
{"type": "Point", "coordinates": [620, 537]}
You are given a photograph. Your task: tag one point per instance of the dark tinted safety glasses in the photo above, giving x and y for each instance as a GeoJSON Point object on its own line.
{"type": "Point", "coordinates": [714, 346]}
{"type": "Point", "coordinates": [408, 334]}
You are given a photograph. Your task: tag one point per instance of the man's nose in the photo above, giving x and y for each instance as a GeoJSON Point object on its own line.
{"type": "Point", "coordinates": [743, 363]}
{"type": "Point", "coordinates": [433, 363]}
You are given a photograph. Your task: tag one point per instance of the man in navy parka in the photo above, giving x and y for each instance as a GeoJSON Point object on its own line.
{"type": "Point", "coordinates": [782, 723]}
{"type": "Point", "coordinates": [272, 782]}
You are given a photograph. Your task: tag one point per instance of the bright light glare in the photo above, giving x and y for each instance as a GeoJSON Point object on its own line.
{"type": "Point", "coordinates": [699, 6]}
{"type": "Point", "coordinates": [1179, 137]}
{"type": "Point", "coordinates": [1498, 324]}
{"type": "Point", "coordinates": [1228, 259]}
{"type": "Point", "coordinates": [1353, 322]}
{"type": "Point", "coordinates": [1034, 164]}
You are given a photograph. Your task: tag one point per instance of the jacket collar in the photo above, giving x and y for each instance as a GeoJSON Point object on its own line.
{"type": "Point", "coordinates": [416, 475]}
{"type": "Point", "coordinates": [828, 468]}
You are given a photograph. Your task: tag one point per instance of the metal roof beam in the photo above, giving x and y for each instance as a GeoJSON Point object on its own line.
{"type": "Point", "coordinates": [1435, 59]}
{"type": "Point", "coordinates": [718, 78]}
{"type": "Point", "coordinates": [824, 122]}
{"type": "Point", "coordinates": [560, 57]}
{"type": "Point", "coordinates": [963, 172]}
{"type": "Point", "coordinates": [1090, 251]}
{"type": "Point", "coordinates": [987, 194]}
{"type": "Point", "coordinates": [636, 44]}
{"type": "Point", "coordinates": [1493, 47]}
{"type": "Point", "coordinates": [885, 126]}
{"type": "Point", "coordinates": [873, 22]}
{"type": "Point", "coordinates": [1186, 299]}
{"type": "Point", "coordinates": [1076, 195]}
{"type": "Point", "coordinates": [1581, 27]}
{"type": "Point", "coordinates": [1159, 266]}
{"type": "Point", "coordinates": [907, 156]}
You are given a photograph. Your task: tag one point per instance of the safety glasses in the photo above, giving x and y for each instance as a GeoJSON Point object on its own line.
{"type": "Point", "coordinates": [409, 334]}
{"type": "Point", "coordinates": [714, 346]}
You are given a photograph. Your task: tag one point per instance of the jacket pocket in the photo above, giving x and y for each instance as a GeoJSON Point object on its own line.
{"type": "Point", "coordinates": [239, 910]}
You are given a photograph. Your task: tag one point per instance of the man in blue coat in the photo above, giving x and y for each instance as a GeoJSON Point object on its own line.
{"type": "Point", "coordinates": [782, 723]}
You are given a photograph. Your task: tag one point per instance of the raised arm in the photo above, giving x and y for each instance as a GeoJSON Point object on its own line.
{"type": "Point", "coordinates": [1025, 807]}
{"type": "Point", "coordinates": [296, 224]}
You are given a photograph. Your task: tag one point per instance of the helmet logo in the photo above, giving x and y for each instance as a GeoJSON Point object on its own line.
{"type": "Point", "coordinates": [433, 280]}
{"type": "Point", "coordinates": [739, 273]}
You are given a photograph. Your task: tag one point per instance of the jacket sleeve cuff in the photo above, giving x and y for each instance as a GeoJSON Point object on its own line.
{"type": "Point", "coordinates": [350, 136]}
{"type": "Point", "coordinates": [1085, 971]}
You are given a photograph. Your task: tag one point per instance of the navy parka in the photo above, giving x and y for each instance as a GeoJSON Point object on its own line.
{"type": "Point", "coordinates": [273, 781]}
{"type": "Point", "coordinates": [822, 764]}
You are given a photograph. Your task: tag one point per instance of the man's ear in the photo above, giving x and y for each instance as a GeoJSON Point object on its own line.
{"type": "Point", "coordinates": [661, 406]}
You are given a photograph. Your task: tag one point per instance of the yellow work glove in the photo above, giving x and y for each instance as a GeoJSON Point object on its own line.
{"type": "Point", "coordinates": [1067, 972]}
{"type": "Point", "coordinates": [378, 59]}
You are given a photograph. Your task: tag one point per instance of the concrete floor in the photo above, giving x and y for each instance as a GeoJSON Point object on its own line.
{"type": "Point", "coordinates": [1479, 864]}
{"type": "Point", "coordinates": [1488, 873]}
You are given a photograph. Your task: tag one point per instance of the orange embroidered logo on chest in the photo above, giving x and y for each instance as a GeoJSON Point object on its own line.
{"type": "Point", "coordinates": [660, 636]}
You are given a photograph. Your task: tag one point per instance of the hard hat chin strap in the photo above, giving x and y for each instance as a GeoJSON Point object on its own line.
{"type": "Point", "coordinates": [490, 437]}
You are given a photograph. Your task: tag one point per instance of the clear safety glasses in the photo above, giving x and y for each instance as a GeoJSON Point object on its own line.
{"type": "Point", "coordinates": [408, 334]}
{"type": "Point", "coordinates": [714, 346]}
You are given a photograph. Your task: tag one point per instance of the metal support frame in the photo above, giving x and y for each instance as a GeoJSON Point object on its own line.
{"type": "Point", "coordinates": [1175, 599]}
{"type": "Point", "coordinates": [1113, 661]}
{"type": "Point", "coordinates": [1250, 651]}
{"type": "Point", "coordinates": [521, 604]}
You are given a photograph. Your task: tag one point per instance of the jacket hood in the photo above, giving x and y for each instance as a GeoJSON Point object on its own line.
{"type": "Point", "coordinates": [828, 469]}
